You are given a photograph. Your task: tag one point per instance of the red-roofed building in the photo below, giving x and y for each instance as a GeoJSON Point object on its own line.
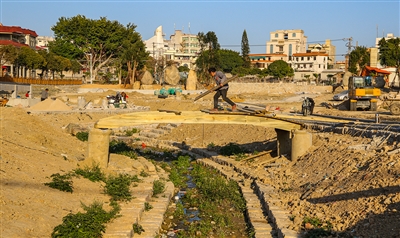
{"type": "Point", "coordinates": [17, 36]}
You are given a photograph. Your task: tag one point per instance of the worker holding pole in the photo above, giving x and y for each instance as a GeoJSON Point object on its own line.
{"type": "Point", "coordinates": [222, 89]}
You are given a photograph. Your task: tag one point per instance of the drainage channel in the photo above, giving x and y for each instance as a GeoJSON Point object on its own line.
{"type": "Point", "coordinates": [203, 209]}
{"type": "Point", "coordinates": [265, 218]}
{"type": "Point", "coordinates": [262, 212]}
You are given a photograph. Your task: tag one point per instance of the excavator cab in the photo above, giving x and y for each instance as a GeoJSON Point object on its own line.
{"type": "Point", "coordinates": [362, 93]}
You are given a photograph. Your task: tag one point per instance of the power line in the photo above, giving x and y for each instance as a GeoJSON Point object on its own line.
{"type": "Point", "coordinates": [343, 39]}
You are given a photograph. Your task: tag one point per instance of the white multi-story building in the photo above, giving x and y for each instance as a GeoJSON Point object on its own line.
{"type": "Point", "coordinates": [181, 48]}
{"type": "Point", "coordinates": [43, 41]}
{"type": "Point", "coordinates": [326, 48]}
{"type": "Point", "coordinates": [309, 62]}
{"type": "Point", "coordinates": [286, 42]}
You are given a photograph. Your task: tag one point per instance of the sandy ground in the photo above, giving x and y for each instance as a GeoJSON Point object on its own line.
{"type": "Point", "coordinates": [358, 191]}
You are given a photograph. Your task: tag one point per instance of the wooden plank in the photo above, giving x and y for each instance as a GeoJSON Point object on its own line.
{"type": "Point", "coordinates": [214, 88]}
{"type": "Point", "coordinates": [225, 112]}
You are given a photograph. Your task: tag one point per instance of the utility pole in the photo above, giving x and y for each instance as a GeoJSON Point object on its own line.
{"type": "Point", "coordinates": [349, 47]}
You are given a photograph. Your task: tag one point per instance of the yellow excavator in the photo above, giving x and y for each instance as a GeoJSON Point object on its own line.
{"type": "Point", "coordinates": [364, 90]}
{"type": "Point", "coordinates": [362, 94]}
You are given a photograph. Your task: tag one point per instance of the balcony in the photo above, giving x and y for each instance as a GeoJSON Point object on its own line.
{"type": "Point", "coordinates": [280, 42]}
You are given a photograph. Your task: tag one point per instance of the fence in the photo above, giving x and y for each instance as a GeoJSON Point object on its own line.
{"type": "Point", "coordinates": [41, 81]}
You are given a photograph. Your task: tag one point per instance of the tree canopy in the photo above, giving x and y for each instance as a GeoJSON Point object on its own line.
{"type": "Point", "coordinates": [245, 50]}
{"type": "Point", "coordinates": [99, 41]}
{"type": "Point", "coordinates": [8, 53]}
{"type": "Point", "coordinates": [389, 51]}
{"type": "Point", "coordinates": [358, 59]}
{"type": "Point", "coordinates": [209, 57]}
{"type": "Point", "coordinates": [280, 69]}
{"type": "Point", "coordinates": [229, 60]}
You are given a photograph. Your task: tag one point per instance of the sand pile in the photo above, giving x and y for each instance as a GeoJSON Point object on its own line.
{"type": "Point", "coordinates": [50, 105]}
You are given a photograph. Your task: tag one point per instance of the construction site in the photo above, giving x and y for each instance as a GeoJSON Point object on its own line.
{"type": "Point", "coordinates": [337, 163]}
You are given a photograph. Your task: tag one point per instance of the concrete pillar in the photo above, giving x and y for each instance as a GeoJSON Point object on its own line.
{"type": "Point", "coordinates": [301, 142]}
{"type": "Point", "coordinates": [284, 142]}
{"type": "Point", "coordinates": [98, 145]}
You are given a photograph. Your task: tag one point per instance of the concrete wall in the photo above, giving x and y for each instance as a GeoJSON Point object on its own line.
{"type": "Point", "coordinates": [24, 102]}
{"type": "Point", "coordinates": [276, 88]}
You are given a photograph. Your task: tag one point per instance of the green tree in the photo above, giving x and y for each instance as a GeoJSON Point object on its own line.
{"type": "Point", "coordinates": [30, 59]}
{"type": "Point", "coordinates": [209, 47]}
{"type": "Point", "coordinates": [316, 76]}
{"type": "Point", "coordinates": [280, 69]}
{"type": "Point", "coordinates": [133, 52]}
{"type": "Point", "coordinates": [8, 53]}
{"type": "Point", "coordinates": [245, 50]}
{"type": "Point", "coordinates": [75, 67]}
{"type": "Point", "coordinates": [389, 53]}
{"type": "Point", "coordinates": [58, 64]}
{"type": "Point", "coordinates": [229, 60]}
{"type": "Point", "coordinates": [358, 59]}
{"type": "Point", "coordinates": [87, 40]}
{"type": "Point", "coordinates": [44, 66]}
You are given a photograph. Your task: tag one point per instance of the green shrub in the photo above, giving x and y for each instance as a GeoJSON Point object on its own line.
{"type": "Point", "coordinates": [147, 206]}
{"type": "Point", "coordinates": [240, 156]}
{"type": "Point", "coordinates": [131, 132]}
{"type": "Point", "coordinates": [88, 224]}
{"type": "Point", "coordinates": [82, 136]}
{"type": "Point", "coordinates": [144, 174]}
{"type": "Point", "coordinates": [94, 174]}
{"type": "Point", "coordinates": [179, 211]}
{"type": "Point", "coordinates": [138, 229]}
{"type": "Point", "coordinates": [158, 187]}
{"type": "Point", "coordinates": [61, 182]}
{"type": "Point", "coordinates": [231, 149]}
{"type": "Point", "coordinates": [118, 187]}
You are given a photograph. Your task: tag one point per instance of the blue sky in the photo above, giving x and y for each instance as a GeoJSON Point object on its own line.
{"type": "Point", "coordinates": [320, 20]}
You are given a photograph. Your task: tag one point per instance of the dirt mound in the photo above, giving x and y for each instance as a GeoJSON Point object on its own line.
{"type": "Point", "coordinates": [50, 105]}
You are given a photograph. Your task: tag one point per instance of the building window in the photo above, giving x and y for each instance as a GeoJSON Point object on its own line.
{"type": "Point", "coordinates": [302, 58]}
{"type": "Point", "coordinates": [271, 49]}
{"type": "Point", "coordinates": [290, 50]}
{"type": "Point", "coordinates": [185, 38]}
{"type": "Point", "coordinates": [276, 35]}
{"type": "Point", "coordinates": [280, 48]}
{"type": "Point", "coordinates": [315, 57]}
{"type": "Point", "coordinates": [285, 36]}
{"type": "Point", "coordinates": [293, 34]}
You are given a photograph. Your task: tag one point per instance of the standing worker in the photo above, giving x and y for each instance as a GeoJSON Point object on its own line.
{"type": "Point", "coordinates": [220, 78]}
{"type": "Point", "coordinates": [45, 94]}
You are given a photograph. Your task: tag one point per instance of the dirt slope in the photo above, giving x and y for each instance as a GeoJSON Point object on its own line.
{"type": "Point", "coordinates": [356, 190]}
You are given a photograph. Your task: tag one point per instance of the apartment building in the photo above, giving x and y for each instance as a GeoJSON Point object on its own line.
{"type": "Point", "coordinates": [42, 42]}
{"type": "Point", "coordinates": [16, 36]}
{"type": "Point", "coordinates": [181, 48]}
{"type": "Point", "coordinates": [286, 42]}
{"type": "Point", "coordinates": [326, 48]}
